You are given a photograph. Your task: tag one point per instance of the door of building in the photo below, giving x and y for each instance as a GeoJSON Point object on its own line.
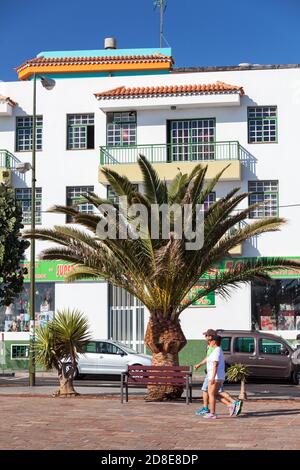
{"type": "Point", "coordinates": [192, 139]}
{"type": "Point", "coordinates": [126, 319]}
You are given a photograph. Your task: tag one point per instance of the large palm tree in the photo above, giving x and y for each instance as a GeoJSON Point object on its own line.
{"type": "Point", "coordinates": [58, 344]}
{"type": "Point", "coordinates": [161, 272]}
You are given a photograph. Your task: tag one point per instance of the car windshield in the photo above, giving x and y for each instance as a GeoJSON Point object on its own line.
{"type": "Point", "coordinates": [126, 348]}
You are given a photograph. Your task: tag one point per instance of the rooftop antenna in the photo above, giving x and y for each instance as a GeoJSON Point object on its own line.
{"type": "Point", "coordinates": [162, 5]}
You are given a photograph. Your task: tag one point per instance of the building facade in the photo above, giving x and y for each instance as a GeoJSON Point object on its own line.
{"type": "Point", "coordinates": [107, 107]}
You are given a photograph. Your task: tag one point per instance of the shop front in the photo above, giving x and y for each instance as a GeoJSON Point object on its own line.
{"type": "Point", "coordinates": [51, 294]}
{"type": "Point", "coordinates": [276, 305]}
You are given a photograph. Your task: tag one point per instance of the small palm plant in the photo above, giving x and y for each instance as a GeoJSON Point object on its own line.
{"type": "Point", "coordinates": [58, 344]}
{"type": "Point", "coordinates": [238, 373]}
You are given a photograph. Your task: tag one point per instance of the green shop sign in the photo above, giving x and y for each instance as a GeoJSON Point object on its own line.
{"type": "Point", "coordinates": [46, 271]}
{"type": "Point", "coordinates": [205, 301]}
{"type": "Point", "coordinates": [230, 263]}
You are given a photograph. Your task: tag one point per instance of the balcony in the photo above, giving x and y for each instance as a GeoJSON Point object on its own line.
{"type": "Point", "coordinates": [168, 158]}
{"type": "Point", "coordinates": [7, 166]}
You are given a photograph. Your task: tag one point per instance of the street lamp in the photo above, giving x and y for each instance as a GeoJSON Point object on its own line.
{"type": "Point", "coordinates": [49, 84]}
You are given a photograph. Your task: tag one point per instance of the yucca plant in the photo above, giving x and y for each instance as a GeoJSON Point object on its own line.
{"type": "Point", "coordinates": [238, 373]}
{"type": "Point", "coordinates": [159, 271]}
{"type": "Point", "coordinates": [58, 344]}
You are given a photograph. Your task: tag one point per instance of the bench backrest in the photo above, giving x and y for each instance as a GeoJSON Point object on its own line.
{"type": "Point", "coordinates": [158, 374]}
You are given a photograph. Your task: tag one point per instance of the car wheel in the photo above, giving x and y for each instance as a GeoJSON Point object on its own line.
{"type": "Point", "coordinates": [294, 377]}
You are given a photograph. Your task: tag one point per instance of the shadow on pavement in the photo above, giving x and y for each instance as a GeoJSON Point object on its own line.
{"type": "Point", "coordinates": [265, 414]}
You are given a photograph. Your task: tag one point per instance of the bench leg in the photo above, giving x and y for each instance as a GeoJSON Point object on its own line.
{"type": "Point", "coordinates": [122, 387]}
{"type": "Point", "coordinates": [187, 391]}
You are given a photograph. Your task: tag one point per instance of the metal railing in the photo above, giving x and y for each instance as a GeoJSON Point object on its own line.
{"type": "Point", "coordinates": [165, 153]}
{"type": "Point", "coordinates": [8, 160]}
{"type": "Point", "coordinates": [233, 230]}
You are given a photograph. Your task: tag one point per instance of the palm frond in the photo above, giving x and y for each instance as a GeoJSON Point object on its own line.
{"type": "Point", "coordinates": [155, 190]}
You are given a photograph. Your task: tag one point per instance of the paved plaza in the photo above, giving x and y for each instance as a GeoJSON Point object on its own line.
{"type": "Point", "coordinates": [87, 422]}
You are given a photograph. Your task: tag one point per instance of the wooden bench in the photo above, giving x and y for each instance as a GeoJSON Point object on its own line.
{"type": "Point", "coordinates": [157, 375]}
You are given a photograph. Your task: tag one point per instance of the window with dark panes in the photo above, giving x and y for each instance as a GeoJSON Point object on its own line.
{"type": "Point", "coordinates": [267, 193]}
{"type": "Point", "coordinates": [111, 195]}
{"type": "Point", "coordinates": [23, 198]}
{"type": "Point", "coordinates": [262, 124]}
{"type": "Point", "coordinates": [269, 346]}
{"type": "Point", "coordinates": [24, 133]}
{"type": "Point", "coordinates": [244, 345]}
{"type": "Point", "coordinates": [225, 344]}
{"type": "Point", "coordinates": [121, 129]}
{"type": "Point", "coordinates": [81, 131]}
{"type": "Point", "coordinates": [210, 200]}
{"type": "Point", "coordinates": [192, 139]}
{"type": "Point", "coordinates": [19, 351]}
{"type": "Point", "coordinates": [75, 198]}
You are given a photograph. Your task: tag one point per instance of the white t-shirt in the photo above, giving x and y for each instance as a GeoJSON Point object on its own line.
{"type": "Point", "coordinates": [216, 356]}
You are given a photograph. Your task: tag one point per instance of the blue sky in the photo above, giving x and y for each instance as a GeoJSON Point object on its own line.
{"type": "Point", "coordinates": [200, 32]}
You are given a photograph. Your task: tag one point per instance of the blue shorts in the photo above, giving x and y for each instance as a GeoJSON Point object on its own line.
{"type": "Point", "coordinates": [205, 386]}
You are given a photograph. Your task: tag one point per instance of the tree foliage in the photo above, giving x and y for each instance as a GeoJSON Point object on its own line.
{"type": "Point", "coordinates": [12, 246]}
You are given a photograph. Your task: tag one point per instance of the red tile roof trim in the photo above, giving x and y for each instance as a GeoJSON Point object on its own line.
{"type": "Point", "coordinates": [8, 100]}
{"type": "Point", "coordinates": [170, 90]}
{"type": "Point", "coordinates": [56, 61]}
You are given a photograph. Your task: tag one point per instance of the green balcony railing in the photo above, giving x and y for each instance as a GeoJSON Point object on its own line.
{"type": "Point", "coordinates": [164, 153]}
{"type": "Point", "coordinates": [8, 160]}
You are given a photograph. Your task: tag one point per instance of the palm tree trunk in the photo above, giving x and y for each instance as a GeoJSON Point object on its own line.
{"type": "Point", "coordinates": [65, 376]}
{"type": "Point", "coordinates": [165, 339]}
{"type": "Point", "coordinates": [243, 394]}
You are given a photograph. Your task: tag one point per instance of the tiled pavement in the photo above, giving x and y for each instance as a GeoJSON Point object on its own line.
{"type": "Point", "coordinates": [98, 423]}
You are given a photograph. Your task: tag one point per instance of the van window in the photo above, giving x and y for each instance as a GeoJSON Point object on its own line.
{"type": "Point", "coordinates": [269, 346]}
{"type": "Point", "coordinates": [244, 345]}
{"type": "Point", "coordinates": [226, 343]}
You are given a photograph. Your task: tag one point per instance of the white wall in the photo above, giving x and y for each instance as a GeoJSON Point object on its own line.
{"type": "Point", "coordinates": [58, 167]}
{"type": "Point", "coordinates": [88, 297]}
{"type": "Point", "coordinates": [229, 314]}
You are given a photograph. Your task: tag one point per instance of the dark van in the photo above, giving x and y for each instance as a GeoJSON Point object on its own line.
{"type": "Point", "coordinates": [267, 356]}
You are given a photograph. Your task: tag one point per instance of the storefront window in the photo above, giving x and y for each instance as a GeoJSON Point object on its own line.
{"type": "Point", "coordinates": [15, 317]}
{"type": "Point", "coordinates": [276, 305]}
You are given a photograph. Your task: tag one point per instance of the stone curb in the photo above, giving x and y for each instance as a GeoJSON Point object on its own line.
{"type": "Point", "coordinates": [138, 398]}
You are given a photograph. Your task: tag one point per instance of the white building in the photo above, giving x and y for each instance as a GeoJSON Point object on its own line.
{"type": "Point", "coordinates": [108, 106]}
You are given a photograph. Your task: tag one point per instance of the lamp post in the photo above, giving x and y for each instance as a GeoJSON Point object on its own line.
{"type": "Point", "coordinates": [47, 83]}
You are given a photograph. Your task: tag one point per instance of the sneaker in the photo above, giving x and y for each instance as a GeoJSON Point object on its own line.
{"type": "Point", "coordinates": [231, 409]}
{"type": "Point", "coordinates": [210, 416]}
{"type": "Point", "coordinates": [202, 411]}
{"type": "Point", "coordinates": [238, 407]}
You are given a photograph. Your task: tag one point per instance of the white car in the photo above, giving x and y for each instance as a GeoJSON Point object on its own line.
{"type": "Point", "coordinates": [108, 357]}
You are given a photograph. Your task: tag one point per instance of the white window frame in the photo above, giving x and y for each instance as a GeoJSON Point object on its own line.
{"type": "Point", "coordinates": [266, 191]}
{"type": "Point", "coordinates": [77, 193]}
{"type": "Point", "coordinates": [77, 130]}
{"type": "Point", "coordinates": [19, 358]}
{"type": "Point", "coordinates": [120, 125]}
{"type": "Point", "coordinates": [193, 139]}
{"type": "Point", "coordinates": [262, 125]}
{"type": "Point", "coordinates": [24, 133]}
{"type": "Point", "coordinates": [26, 198]}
